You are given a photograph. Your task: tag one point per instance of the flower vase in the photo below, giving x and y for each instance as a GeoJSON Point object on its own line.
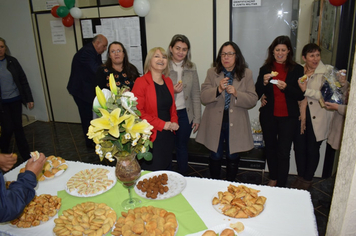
{"type": "Point", "coordinates": [128, 171]}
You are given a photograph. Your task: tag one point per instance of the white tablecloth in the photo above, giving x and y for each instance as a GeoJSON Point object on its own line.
{"type": "Point", "coordinates": [287, 211]}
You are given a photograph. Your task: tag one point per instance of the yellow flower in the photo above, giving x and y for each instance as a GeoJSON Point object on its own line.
{"type": "Point", "coordinates": [142, 127]}
{"type": "Point", "coordinates": [109, 121]}
{"type": "Point", "coordinates": [112, 83]}
{"type": "Point", "coordinates": [101, 97]}
{"type": "Point", "coordinates": [96, 136]}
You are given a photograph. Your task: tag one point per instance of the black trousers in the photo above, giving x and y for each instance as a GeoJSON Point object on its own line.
{"type": "Point", "coordinates": [306, 150]}
{"type": "Point", "coordinates": [278, 134]}
{"type": "Point", "coordinates": [162, 152]}
{"type": "Point", "coordinates": [329, 161]}
{"type": "Point", "coordinates": [11, 123]}
{"type": "Point", "coordinates": [86, 115]}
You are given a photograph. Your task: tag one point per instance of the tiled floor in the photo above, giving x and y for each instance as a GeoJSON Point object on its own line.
{"type": "Point", "coordinates": [66, 140]}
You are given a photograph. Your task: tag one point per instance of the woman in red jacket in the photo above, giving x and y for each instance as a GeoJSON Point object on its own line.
{"type": "Point", "coordinates": [155, 97]}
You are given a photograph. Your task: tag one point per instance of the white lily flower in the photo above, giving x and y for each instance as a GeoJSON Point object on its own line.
{"type": "Point", "coordinates": [96, 104]}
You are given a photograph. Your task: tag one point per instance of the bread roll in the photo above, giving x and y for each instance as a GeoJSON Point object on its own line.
{"type": "Point", "coordinates": [209, 233]}
{"type": "Point", "coordinates": [227, 232]}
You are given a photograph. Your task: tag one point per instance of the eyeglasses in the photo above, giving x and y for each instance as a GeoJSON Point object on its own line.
{"type": "Point", "coordinates": [228, 54]}
{"type": "Point", "coordinates": [115, 51]}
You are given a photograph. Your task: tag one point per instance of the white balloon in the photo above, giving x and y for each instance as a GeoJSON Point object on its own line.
{"type": "Point", "coordinates": [75, 12]}
{"type": "Point", "coordinates": [141, 7]}
{"type": "Point", "coordinates": [61, 2]}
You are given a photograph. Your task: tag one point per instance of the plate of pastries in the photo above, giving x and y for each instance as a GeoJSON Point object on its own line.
{"type": "Point", "coordinates": [40, 210]}
{"type": "Point", "coordinates": [231, 229]}
{"type": "Point", "coordinates": [146, 220]}
{"type": "Point", "coordinates": [159, 185]}
{"type": "Point", "coordinates": [87, 218]}
{"type": "Point", "coordinates": [239, 202]}
{"type": "Point", "coordinates": [90, 182]}
{"type": "Point", "coordinates": [53, 167]}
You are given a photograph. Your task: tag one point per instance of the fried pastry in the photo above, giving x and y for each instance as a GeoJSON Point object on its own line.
{"type": "Point", "coordinates": [274, 73]}
{"type": "Point", "coordinates": [240, 202]}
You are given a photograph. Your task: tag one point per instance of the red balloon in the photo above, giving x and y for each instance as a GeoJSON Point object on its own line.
{"type": "Point", "coordinates": [54, 11]}
{"type": "Point", "coordinates": [126, 3]}
{"type": "Point", "coordinates": [337, 2]}
{"type": "Point", "coordinates": [68, 20]}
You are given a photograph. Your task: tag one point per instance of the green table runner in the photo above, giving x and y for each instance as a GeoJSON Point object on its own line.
{"type": "Point", "coordinates": [188, 220]}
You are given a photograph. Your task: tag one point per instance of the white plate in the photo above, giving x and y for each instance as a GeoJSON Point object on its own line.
{"type": "Point", "coordinates": [219, 228]}
{"type": "Point", "coordinates": [111, 176]}
{"type": "Point", "coordinates": [273, 81]}
{"type": "Point", "coordinates": [176, 184]}
{"type": "Point", "coordinates": [219, 206]}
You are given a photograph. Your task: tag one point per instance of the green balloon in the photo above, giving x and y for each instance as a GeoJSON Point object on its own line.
{"type": "Point", "coordinates": [69, 3]}
{"type": "Point", "coordinates": [62, 11]}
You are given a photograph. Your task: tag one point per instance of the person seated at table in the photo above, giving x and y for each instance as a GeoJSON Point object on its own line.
{"type": "Point", "coordinates": [155, 98]}
{"type": "Point", "coordinates": [14, 199]}
{"type": "Point", "coordinates": [117, 63]}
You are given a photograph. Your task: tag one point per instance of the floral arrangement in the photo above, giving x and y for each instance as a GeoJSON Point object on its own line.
{"type": "Point", "coordinates": [119, 131]}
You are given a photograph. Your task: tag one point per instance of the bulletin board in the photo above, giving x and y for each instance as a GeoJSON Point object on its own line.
{"type": "Point", "coordinates": [129, 30]}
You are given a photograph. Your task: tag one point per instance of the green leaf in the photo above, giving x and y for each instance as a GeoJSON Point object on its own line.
{"type": "Point", "coordinates": [147, 156]}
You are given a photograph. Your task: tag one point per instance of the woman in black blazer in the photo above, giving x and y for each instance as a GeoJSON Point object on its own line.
{"type": "Point", "coordinates": [279, 116]}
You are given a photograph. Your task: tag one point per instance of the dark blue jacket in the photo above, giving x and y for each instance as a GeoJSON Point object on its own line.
{"type": "Point", "coordinates": [83, 74]}
{"type": "Point", "coordinates": [20, 79]}
{"type": "Point", "coordinates": [19, 194]}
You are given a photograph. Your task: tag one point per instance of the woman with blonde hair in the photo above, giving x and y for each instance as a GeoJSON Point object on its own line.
{"type": "Point", "coordinates": [155, 97]}
{"type": "Point", "coordinates": [184, 75]}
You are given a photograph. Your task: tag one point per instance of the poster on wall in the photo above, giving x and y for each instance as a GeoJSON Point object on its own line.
{"type": "Point", "coordinates": [327, 31]}
{"type": "Point", "coordinates": [126, 30]}
{"type": "Point", "coordinates": [58, 32]}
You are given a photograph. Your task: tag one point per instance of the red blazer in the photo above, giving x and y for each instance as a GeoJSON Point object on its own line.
{"type": "Point", "coordinates": [144, 90]}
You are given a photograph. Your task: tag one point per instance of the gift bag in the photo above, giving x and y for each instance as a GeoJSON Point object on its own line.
{"type": "Point", "coordinates": [330, 89]}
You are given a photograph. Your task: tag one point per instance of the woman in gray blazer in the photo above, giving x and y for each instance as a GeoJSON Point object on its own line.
{"type": "Point", "coordinates": [227, 93]}
{"type": "Point", "coordinates": [187, 95]}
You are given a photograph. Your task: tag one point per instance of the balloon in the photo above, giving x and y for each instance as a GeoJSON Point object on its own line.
{"type": "Point", "coordinates": [68, 21]}
{"type": "Point", "coordinates": [62, 11]}
{"type": "Point", "coordinates": [126, 3]}
{"type": "Point", "coordinates": [141, 7]}
{"type": "Point", "coordinates": [75, 12]}
{"type": "Point", "coordinates": [69, 3]}
{"type": "Point", "coordinates": [61, 2]}
{"type": "Point", "coordinates": [337, 2]}
{"type": "Point", "coordinates": [54, 11]}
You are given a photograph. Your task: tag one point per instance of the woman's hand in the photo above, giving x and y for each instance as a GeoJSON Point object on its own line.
{"type": "Point", "coordinates": [167, 125]}
{"type": "Point", "coordinates": [174, 126]}
{"type": "Point", "coordinates": [195, 127]}
{"type": "Point", "coordinates": [223, 84]}
{"type": "Point", "coordinates": [30, 105]}
{"type": "Point", "coordinates": [281, 85]}
{"type": "Point", "coordinates": [302, 85]}
{"type": "Point", "coordinates": [36, 166]}
{"type": "Point", "coordinates": [178, 87]}
{"type": "Point", "coordinates": [231, 90]}
{"type": "Point", "coordinates": [331, 106]}
{"type": "Point", "coordinates": [263, 100]}
{"type": "Point", "coordinates": [266, 79]}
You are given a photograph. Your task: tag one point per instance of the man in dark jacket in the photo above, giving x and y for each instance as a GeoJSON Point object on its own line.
{"type": "Point", "coordinates": [20, 193]}
{"type": "Point", "coordinates": [81, 83]}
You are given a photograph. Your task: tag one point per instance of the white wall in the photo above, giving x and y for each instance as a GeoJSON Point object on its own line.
{"type": "Point", "coordinates": [16, 29]}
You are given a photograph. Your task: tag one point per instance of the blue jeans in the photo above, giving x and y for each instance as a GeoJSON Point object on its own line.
{"type": "Point", "coordinates": [224, 144]}
{"type": "Point", "coordinates": [181, 140]}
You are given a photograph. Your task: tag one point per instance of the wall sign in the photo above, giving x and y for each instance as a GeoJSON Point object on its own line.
{"type": "Point", "coordinates": [246, 3]}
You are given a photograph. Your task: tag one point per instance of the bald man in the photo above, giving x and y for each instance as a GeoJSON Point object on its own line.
{"type": "Point", "coordinates": [81, 83]}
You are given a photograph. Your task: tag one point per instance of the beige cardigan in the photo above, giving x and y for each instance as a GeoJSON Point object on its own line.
{"type": "Point", "coordinates": [240, 135]}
